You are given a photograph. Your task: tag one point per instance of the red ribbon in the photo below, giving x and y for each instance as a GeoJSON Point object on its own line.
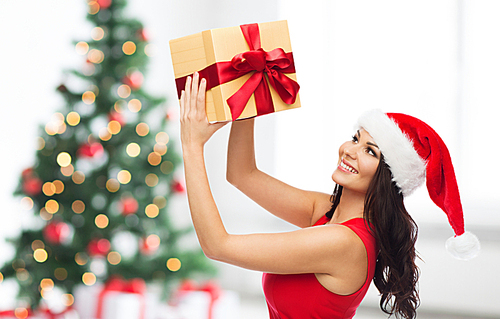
{"type": "Point", "coordinates": [274, 64]}
{"type": "Point", "coordinates": [134, 286]}
{"type": "Point", "coordinates": [52, 315]}
{"type": "Point", "coordinates": [210, 287]}
{"type": "Point", "coordinates": [12, 313]}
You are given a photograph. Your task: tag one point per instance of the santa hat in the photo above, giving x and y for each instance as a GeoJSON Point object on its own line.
{"type": "Point", "coordinates": [415, 153]}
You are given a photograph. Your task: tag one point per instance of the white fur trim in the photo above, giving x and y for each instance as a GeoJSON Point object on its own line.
{"type": "Point", "coordinates": [408, 169]}
{"type": "Point", "coordinates": [464, 247]}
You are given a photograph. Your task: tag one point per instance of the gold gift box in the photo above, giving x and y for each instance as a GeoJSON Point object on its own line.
{"type": "Point", "coordinates": [196, 52]}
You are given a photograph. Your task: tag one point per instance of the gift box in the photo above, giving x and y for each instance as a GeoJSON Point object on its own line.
{"type": "Point", "coordinates": [68, 313]}
{"type": "Point", "coordinates": [249, 69]}
{"type": "Point", "coordinates": [116, 299]}
{"type": "Point", "coordinates": [206, 301]}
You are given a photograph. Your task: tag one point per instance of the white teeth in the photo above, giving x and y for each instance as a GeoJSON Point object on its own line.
{"type": "Point", "coordinates": [350, 169]}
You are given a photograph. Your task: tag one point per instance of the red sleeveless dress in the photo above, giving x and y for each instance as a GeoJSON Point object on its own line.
{"type": "Point", "coordinates": [301, 296]}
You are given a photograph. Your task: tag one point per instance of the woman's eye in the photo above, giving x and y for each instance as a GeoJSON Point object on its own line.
{"type": "Point", "coordinates": [355, 139]}
{"type": "Point", "coordinates": [371, 152]}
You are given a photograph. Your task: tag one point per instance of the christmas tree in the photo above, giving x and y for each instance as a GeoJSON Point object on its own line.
{"type": "Point", "coordinates": [103, 175]}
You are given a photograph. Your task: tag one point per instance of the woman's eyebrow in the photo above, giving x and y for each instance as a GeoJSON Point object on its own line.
{"type": "Point", "coordinates": [369, 143]}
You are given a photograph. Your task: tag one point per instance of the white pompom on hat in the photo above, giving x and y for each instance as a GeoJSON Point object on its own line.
{"type": "Point", "coordinates": [415, 153]}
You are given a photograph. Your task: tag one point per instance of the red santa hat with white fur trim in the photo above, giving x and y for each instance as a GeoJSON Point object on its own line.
{"type": "Point", "coordinates": [415, 153]}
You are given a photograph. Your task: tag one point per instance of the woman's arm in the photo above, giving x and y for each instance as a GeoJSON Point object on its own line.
{"type": "Point", "coordinates": [330, 249]}
{"type": "Point", "coordinates": [299, 207]}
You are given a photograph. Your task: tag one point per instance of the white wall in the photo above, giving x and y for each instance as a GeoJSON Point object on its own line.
{"type": "Point", "coordinates": [435, 60]}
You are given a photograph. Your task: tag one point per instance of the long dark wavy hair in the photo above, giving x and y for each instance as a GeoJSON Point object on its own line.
{"type": "Point", "coordinates": [396, 273]}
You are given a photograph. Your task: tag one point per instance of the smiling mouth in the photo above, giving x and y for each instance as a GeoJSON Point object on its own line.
{"type": "Point", "coordinates": [347, 167]}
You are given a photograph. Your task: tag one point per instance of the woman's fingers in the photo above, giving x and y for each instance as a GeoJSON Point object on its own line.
{"type": "Point", "coordinates": [183, 103]}
{"type": "Point", "coordinates": [200, 101]}
{"type": "Point", "coordinates": [187, 96]}
{"type": "Point", "coordinates": [194, 90]}
{"type": "Point", "coordinates": [192, 99]}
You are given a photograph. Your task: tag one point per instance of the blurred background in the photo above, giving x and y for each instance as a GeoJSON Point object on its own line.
{"type": "Point", "coordinates": [436, 60]}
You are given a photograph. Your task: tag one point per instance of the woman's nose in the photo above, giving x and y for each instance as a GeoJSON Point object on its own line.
{"type": "Point", "coordinates": [350, 151]}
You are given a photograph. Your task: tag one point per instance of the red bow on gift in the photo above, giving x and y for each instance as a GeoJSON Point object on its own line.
{"type": "Point", "coordinates": [211, 287]}
{"type": "Point", "coordinates": [134, 286]}
{"type": "Point", "coordinates": [274, 64]}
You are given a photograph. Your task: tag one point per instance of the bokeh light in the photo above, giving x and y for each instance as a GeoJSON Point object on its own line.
{"type": "Point", "coordinates": [114, 127]}
{"type": "Point", "coordinates": [129, 48]}
{"type": "Point", "coordinates": [59, 185]}
{"type": "Point", "coordinates": [56, 125]}
{"type": "Point", "coordinates": [101, 221]}
{"type": "Point", "coordinates": [133, 150]}
{"type": "Point", "coordinates": [40, 255]}
{"type": "Point", "coordinates": [68, 170]}
{"type": "Point", "coordinates": [162, 138]}
{"type": "Point", "coordinates": [105, 134]}
{"type": "Point", "coordinates": [124, 177]}
{"type": "Point", "coordinates": [134, 105]}
{"type": "Point", "coordinates": [142, 129]}
{"type": "Point", "coordinates": [112, 185]}
{"type": "Point", "coordinates": [150, 50]}
{"type": "Point", "coordinates": [37, 244]}
{"type": "Point", "coordinates": [152, 180]}
{"type": "Point", "coordinates": [173, 264]}
{"type": "Point", "coordinates": [114, 258]}
{"type": "Point", "coordinates": [88, 97]}
{"type": "Point", "coordinates": [124, 91]}
{"type": "Point", "coordinates": [93, 7]}
{"type": "Point", "coordinates": [21, 313]}
{"type": "Point", "coordinates": [44, 214]}
{"type": "Point", "coordinates": [73, 118]}
{"type": "Point", "coordinates": [160, 149]}
{"type": "Point", "coordinates": [68, 300]}
{"type": "Point", "coordinates": [120, 106]}
{"type": "Point", "coordinates": [18, 264]}
{"type": "Point", "coordinates": [78, 177]}
{"type": "Point", "coordinates": [22, 274]}
{"type": "Point", "coordinates": [47, 284]}
{"type": "Point", "coordinates": [153, 241]}
{"type": "Point", "coordinates": [152, 210]}
{"type": "Point", "coordinates": [49, 189]}
{"type": "Point", "coordinates": [51, 206]}
{"type": "Point", "coordinates": [40, 142]}
{"type": "Point", "coordinates": [97, 33]}
{"type": "Point", "coordinates": [82, 48]}
{"type": "Point", "coordinates": [27, 203]}
{"type": "Point", "coordinates": [60, 274]}
{"type": "Point", "coordinates": [63, 159]}
{"type": "Point", "coordinates": [167, 167]}
{"type": "Point", "coordinates": [78, 206]}
{"type": "Point", "coordinates": [95, 56]}
{"type": "Point", "coordinates": [154, 158]}
{"type": "Point", "coordinates": [89, 279]}
{"type": "Point", "coordinates": [81, 258]}
{"type": "Point", "coordinates": [160, 201]}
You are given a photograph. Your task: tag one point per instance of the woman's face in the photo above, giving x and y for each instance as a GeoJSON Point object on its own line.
{"type": "Point", "coordinates": [358, 162]}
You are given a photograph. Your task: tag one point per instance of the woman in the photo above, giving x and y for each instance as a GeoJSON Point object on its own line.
{"type": "Point", "coordinates": [315, 272]}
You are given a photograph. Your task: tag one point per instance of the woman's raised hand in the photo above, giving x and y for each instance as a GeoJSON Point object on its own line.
{"type": "Point", "coordinates": [195, 128]}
